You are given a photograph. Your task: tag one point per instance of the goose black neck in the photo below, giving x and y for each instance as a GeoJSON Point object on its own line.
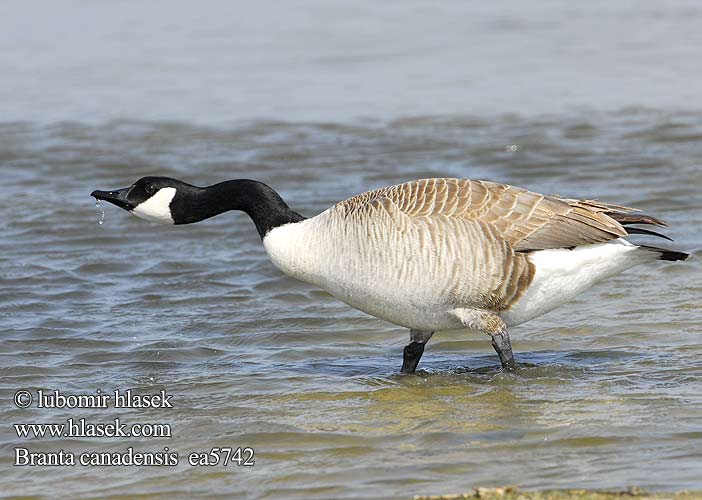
{"type": "Point", "coordinates": [265, 207]}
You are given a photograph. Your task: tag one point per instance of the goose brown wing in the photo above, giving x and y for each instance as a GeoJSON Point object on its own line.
{"type": "Point", "coordinates": [525, 220]}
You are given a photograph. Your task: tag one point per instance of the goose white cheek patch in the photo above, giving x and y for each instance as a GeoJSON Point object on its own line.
{"type": "Point", "coordinates": [157, 208]}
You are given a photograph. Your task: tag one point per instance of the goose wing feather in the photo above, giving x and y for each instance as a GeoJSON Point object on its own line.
{"type": "Point", "coordinates": [527, 221]}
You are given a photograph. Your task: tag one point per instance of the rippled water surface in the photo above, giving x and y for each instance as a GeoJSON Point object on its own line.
{"type": "Point", "coordinates": [610, 389]}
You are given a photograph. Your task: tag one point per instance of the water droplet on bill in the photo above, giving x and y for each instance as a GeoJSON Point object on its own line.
{"type": "Point", "coordinates": [101, 218]}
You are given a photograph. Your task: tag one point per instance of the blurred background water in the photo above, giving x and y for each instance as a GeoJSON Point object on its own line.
{"type": "Point", "coordinates": [322, 101]}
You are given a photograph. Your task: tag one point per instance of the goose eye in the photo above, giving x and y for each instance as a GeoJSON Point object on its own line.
{"type": "Point", "coordinates": [149, 189]}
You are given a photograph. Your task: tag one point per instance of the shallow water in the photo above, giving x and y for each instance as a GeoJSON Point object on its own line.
{"type": "Point", "coordinates": [610, 389]}
{"type": "Point", "coordinates": [308, 97]}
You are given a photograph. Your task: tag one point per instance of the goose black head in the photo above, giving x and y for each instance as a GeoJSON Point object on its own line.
{"type": "Point", "coordinates": [170, 201]}
{"type": "Point", "coordinates": [151, 198]}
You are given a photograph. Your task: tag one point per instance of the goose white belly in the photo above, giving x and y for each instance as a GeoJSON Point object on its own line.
{"type": "Point", "coordinates": [400, 292]}
{"type": "Point", "coordinates": [394, 305]}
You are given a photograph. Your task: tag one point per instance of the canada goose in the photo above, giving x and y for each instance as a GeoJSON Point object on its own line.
{"type": "Point", "coordinates": [431, 254]}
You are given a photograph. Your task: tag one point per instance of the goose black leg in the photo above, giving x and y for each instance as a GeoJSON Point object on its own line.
{"type": "Point", "coordinates": [503, 347]}
{"type": "Point", "coordinates": [414, 350]}
{"type": "Point", "coordinates": [411, 356]}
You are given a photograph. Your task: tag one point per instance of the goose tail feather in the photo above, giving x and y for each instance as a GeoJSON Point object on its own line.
{"type": "Point", "coordinates": [638, 230]}
{"type": "Point", "coordinates": [626, 219]}
{"type": "Point", "coordinates": [665, 254]}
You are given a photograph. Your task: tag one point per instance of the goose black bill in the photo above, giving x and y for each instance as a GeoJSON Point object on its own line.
{"type": "Point", "coordinates": [117, 197]}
